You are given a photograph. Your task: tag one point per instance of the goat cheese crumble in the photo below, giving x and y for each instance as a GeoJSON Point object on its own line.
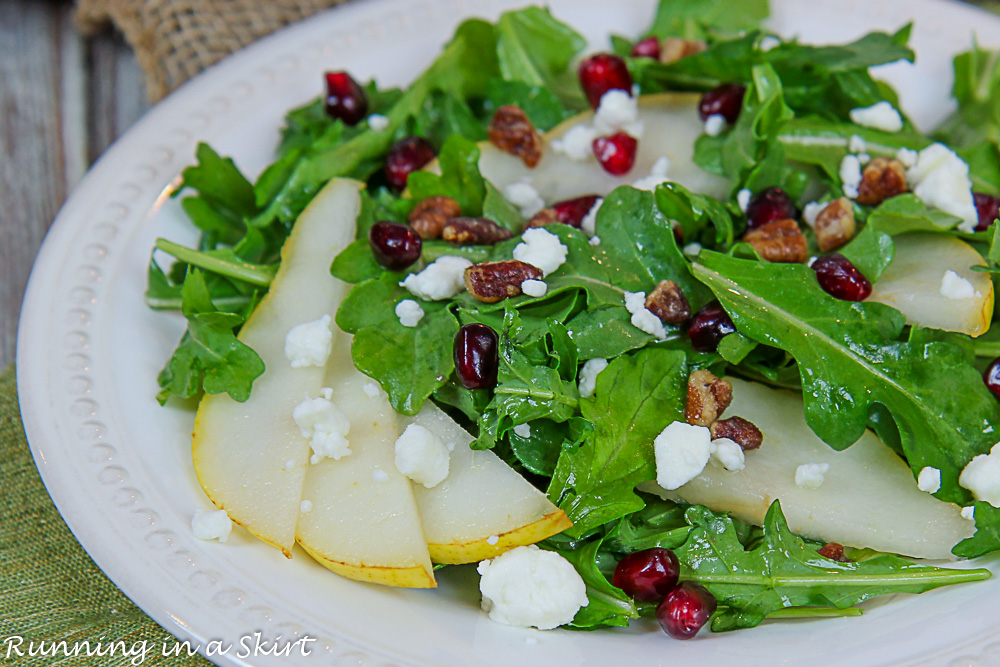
{"type": "Point", "coordinates": [715, 125]}
{"type": "Point", "coordinates": [441, 279]}
{"type": "Point", "coordinates": [422, 456]}
{"type": "Point", "coordinates": [409, 312]}
{"type": "Point", "coordinates": [589, 222]}
{"type": "Point", "coordinates": [211, 525]}
{"type": "Point", "coordinates": [524, 196]}
{"type": "Point", "coordinates": [954, 286]}
{"type": "Point", "coordinates": [881, 116]}
{"type": "Point", "coordinates": [378, 122]}
{"type": "Point", "coordinates": [309, 343]}
{"type": "Point", "coordinates": [523, 430]}
{"type": "Point", "coordinates": [982, 476]}
{"type": "Point", "coordinates": [576, 143]}
{"type": "Point", "coordinates": [811, 211]}
{"type": "Point", "coordinates": [856, 144]}
{"type": "Point", "coordinates": [681, 451]}
{"type": "Point", "coordinates": [588, 376]}
{"type": "Point", "coordinates": [542, 249]}
{"type": "Point", "coordinates": [811, 475]}
{"type": "Point", "coordinates": [941, 180]}
{"type": "Point", "coordinates": [535, 288]}
{"type": "Point", "coordinates": [325, 426]}
{"type": "Point", "coordinates": [618, 110]}
{"type": "Point", "coordinates": [743, 198]}
{"type": "Point", "coordinates": [969, 513]}
{"type": "Point", "coordinates": [929, 480]}
{"type": "Point", "coordinates": [728, 454]}
{"type": "Point", "coordinates": [850, 175]}
{"type": "Point", "coordinates": [643, 318]}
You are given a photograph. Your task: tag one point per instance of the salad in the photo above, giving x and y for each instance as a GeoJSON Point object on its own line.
{"type": "Point", "coordinates": [697, 328]}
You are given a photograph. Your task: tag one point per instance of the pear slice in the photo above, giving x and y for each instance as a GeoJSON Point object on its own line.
{"type": "Point", "coordinates": [912, 284]}
{"type": "Point", "coordinates": [363, 523]}
{"type": "Point", "coordinates": [241, 450]}
{"type": "Point", "coordinates": [868, 499]}
{"type": "Point", "coordinates": [483, 508]}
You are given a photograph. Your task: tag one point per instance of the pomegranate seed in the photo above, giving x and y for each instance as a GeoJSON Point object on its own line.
{"type": "Point", "coordinates": [616, 152]}
{"type": "Point", "coordinates": [726, 100]}
{"type": "Point", "coordinates": [477, 356]}
{"type": "Point", "coordinates": [988, 208]}
{"type": "Point", "coordinates": [709, 326]}
{"type": "Point", "coordinates": [770, 205]}
{"type": "Point", "coordinates": [572, 211]}
{"type": "Point", "coordinates": [345, 99]}
{"type": "Point", "coordinates": [685, 610]}
{"type": "Point", "coordinates": [601, 73]}
{"type": "Point", "coordinates": [395, 246]}
{"type": "Point", "coordinates": [839, 278]}
{"type": "Point", "coordinates": [992, 377]}
{"type": "Point", "coordinates": [647, 575]}
{"type": "Point", "coordinates": [647, 48]}
{"type": "Point", "coordinates": [406, 156]}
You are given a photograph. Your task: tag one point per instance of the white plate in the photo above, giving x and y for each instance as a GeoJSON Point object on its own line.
{"type": "Point", "coordinates": [119, 467]}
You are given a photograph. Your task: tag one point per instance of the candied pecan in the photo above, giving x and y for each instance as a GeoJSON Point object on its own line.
{"type": "Point", "coordinates": [779, 241]}
{"type": "Point", "coordinates": [668, 303]}
{"type": "Point", "coordinates": [707, 398]}
{"type": "Point", "coordinates": [474, 231]}
{"type": "Point", "coordinates": [495, 281]}
{"type": "Point", "coordinates": [882, 178]}
{"type": "Point", "coordinates": [547, 216]}
{"type": "Point", "coordinates": [834, 551]}
{"type": "Point", "coordinates": [429, 217]}
{"type": "Point", "coordinates": [739, 430]}
{"type": "Point", "coordinates": [835, 224]}
{"type": "Point", "coordinates": [673, 49]}
{"type": "Point", "coordinates": [512, 132]}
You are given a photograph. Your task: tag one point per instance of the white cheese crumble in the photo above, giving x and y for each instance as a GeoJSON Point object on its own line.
{"type": "Point", "coordinates": [850, 175]}
{"type": "Point", "coordinates": [442, 279]}
{"type": "Point", "coordinates": [929, 480]}
{"type": "Point", "coordinates": [595, 241]}
{"type": "Point", "coordinates": [535, 288]}
{"type": "Point", "coordinates": [715, 124]}
{"type": "Point", "coordinates": [378, 122]}
{"type": "Point", "coordinates": [743, 198]}
{"type": "Point", "coordinates": [811, 475]}
{"type": "Point", "coordinates": [422, 456]}
{"type": "Point", "coordinates": [211, 525]}
{"type": "Point", "coordinates": [409, 312]}
{"type": "Point", "coordinates": [657, 175]}
{"type": "Point", "coordinates": [728, 454]}
{"type": "Point", "coordinates": [982, 476]}
{"type": "Point", "coordinates": [692, 249]}
{"type": "Point", "coordinates": [864, 158]}
{"type": "Point", "coordinates": [309, 343]}
{"type": "Point", "coordinates": [492, 540]}
{"type": "Point", "coordinates": [969, 513]}
{"type": "Point", "coordinates": [542, 249]}
{"type": "Point", "coordinates": [768, 42]}
{"type": "Point", "coordinates": [954, 286]}
{"type": "Point", "coordinates": [306, 506]}
{"type": "Point", "coordinates": [325, 426]}
{"type": "Point", "coordinates": [530, 587]}
{"type": "Point", "coordinates": [589, 222]}
{"type": "Point", "coordinates": [856, 144]}
{"type": "Point", "coordinates": [618, 110]}
{"type": "Point", "coordinates": [523, 430]}
{"type": "Point", "coordinates": [643, 318]}
{"type": "Point", "coordinates": [524, 196]}
{"type": "Point", "coordinates": [907, 157]}
{"type": "Point", "coordinates": [370, 389]}
{"type": "Point", "coordinates": [577, 143]}
{"type": "Point", "coordinates": [380, 475]}
{"type": "Point", "coordinates": [881, 116]}
{"type": "Point", "coordinates": [941, 179]}
{"type": "Point", "coordinates": [681, 451]}
{"type": "Point", "coordinates": [811, 211]}
{"type": "Point", "coordinates": [588, 376]}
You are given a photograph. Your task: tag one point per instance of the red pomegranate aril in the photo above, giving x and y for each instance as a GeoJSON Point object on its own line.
{"type": "Point", "coordinates": [395, 246]}
{"type": "Point", "coordinates": [992, 377]}
{"type": "Point", "coordinates": [709, 326]}
{"type": "Point", "coordinates": [647, 575]}
{"type": "Point", "coordinates": [647, 48]}
{"type": "Point", "coordinates": [572, 211]}
{"type": "Point", "coordinates": [841, 279]}
{"type": "Point", "coordinates": [405, 157]}
{"type": "Point", "coordinates": [685, 610]}
{"type": "Point", "coordinates": [769, 205]}
{"type": "Point", "coordinates": [726, 101]}
{"type": "Point", "coordinates": [987, 208]}
{"type": "Point", "coordinates": [601, 73]}
{"type": "Point", "coordinates": [345, 98]}
{"type": "Point", "coordinates": [616, 152]}
{"type": "Point", "coordinates": [477, 356]}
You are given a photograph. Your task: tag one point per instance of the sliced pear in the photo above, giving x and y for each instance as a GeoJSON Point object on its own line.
{"type": "Point", "coordinates": [240, 450]}
{"type": "Point", "coordinates": [483, 508]}
{"type": "Point", "coordinates": [912, 284]}
{"type": "Point", "coordinates": [363, 523]}
{"type": "Point", "coordinates": [868, 499]}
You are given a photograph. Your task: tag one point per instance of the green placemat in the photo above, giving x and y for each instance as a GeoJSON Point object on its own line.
{"type": "Point", "coordinates": [50, 589]}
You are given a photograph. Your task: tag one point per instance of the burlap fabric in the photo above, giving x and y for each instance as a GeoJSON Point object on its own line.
{"type": "Point", "coordinates": [176, 39]}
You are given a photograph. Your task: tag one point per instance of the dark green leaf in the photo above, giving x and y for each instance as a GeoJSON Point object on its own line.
{"type": "Point", "coordinates": [871, 252]}
{"type": "Point", "coordinates": [459, 177]}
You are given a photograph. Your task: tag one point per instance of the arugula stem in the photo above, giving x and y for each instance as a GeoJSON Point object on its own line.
{"type": "Point", "coordinates": [255, 274]}
{"type": "Point", "coordinates": [225, 303]}
{"type": "Point", "coordinates": [815, 612]}
{"type": "Point", "coordinates": [989, 350]}
{"type": "Point", "coordinates": [843, 579]}
{"type": "Point", "coordinates": [536, 393]}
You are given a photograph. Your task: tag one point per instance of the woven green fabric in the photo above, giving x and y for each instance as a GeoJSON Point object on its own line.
{"type": "Point", "coordinates": [50, 589]}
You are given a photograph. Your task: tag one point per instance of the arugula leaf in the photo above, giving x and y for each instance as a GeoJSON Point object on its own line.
{"type": "Point", "coordinates": [735, 347]}
{"type": "Point", "coordinates": [499, 210]}
{"type": "Point", "coordinates": [694, 212]}
{"type": "Point", "coordinates": [219, 184]}
{"type": "Point", "coordinates": [907, 213]}
{"type": "Point", "coordinates": [987, 535]}
{"type": "Point", "coordinates": [605, 333]}
{"type": "Point", "coordinates": [607, 605]}
{"type": "Point", "coordinates": [538, 447]}
{"type": "Point", "coordinates": [443, 115]}
{"type": "Point", "coordinates": [871, 252]}
{"type": "Point", "coordinates": [223, 262]}
{"type": "Point", "coordinates": [976, 88]}
{"type": "Point", "coordinates": [660, 523]}
{"type": "Point", "coordinates": [694, 20]}
{"type": "Point", "coordinates": [540, 104]}
{"type": "Point", "coordinates": [637, 396]}
{"type": "Point", "coordinates": [459, 179]}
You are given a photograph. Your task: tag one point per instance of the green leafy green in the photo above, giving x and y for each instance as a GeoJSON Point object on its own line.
{"type": "Point", "coordinates": [542, 107]}
{"type": "Point", "coordinates": [907, 213]}
{"type": "Point", "coordinates": [607, 605]}
{"type": "Point", "coordinates": [459, 179]}
{"type": "Point", "coordinates": [871, 252]}
{"type": "Point", "coordinates": [694, 20]}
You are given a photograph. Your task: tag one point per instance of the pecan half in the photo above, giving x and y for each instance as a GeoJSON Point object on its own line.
{"type": "Point", "coordinates": [429, 217]}
{"type": "Point", "coordinates": [739, 430]}
{"type": "Point", "coordinates": [490, 282]}
{"type": "Point", "coordinates": [882, 178]}
{"type": "Point", "coordinates": [547, 216]}
{"type": "Point", "coordinates": [673, 49]}
{"type": "Point", "coordinates": [668, 303]}
{"type": "Point", "coordinates": [707, 398]}
{"type": "Point", "coordinates": [474, 231]}
{"type": "Point", "coordinates": [512, 132]}
{"type": "Point", "coordinates": [834, 551]}
{"type": "Point", "coordinates": [779, 241]}
{"type": "Point", "coordinates": [835, 224]}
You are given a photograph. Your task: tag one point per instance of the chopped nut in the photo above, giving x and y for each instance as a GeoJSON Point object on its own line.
{"type": "Point", "coordinates": [779, 241]}
{"type": "Point", "coordinates": [882, 178]}
{"type": "Point", "coordinates": [707, 398]}
{"type": "Point", "coordinates": [668, 303]}
{"type": "Point", "coordinates": [835, 224]}
{"type": "Point", "coordinates": [429, 217]}
{"type": "Point", "coordinates": [834, 551]}
{"type": "Point", "coordinates": [739, 430]}
{"type": "Point", "coordinates": [547, 216]}
{"type": "Point", "coordinates": [490, 282]}
{"type": "Point", "coordinates": [474, 231]}
{"type": "Point", "coordinates": [673, 49]}
{"type": "Point", "coordinates": [512, 132]}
